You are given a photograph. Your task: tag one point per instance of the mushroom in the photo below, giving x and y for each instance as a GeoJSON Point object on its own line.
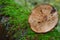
{"type": "Point", "coordinates": [43, 18]}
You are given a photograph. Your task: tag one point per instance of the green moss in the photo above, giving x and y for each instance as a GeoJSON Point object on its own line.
{"type": "Point", "coordinates": [19, 18]}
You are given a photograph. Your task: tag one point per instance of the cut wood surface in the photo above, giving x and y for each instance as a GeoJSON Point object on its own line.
{"type": "Point", "coordinates": [43, 18]}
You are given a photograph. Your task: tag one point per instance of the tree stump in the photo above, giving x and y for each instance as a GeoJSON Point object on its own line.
{"type": "Point", "coordinates": [43, 18]}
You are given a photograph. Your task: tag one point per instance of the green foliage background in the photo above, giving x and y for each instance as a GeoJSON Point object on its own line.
{"type": "Point", "coordinates": [19, 11]}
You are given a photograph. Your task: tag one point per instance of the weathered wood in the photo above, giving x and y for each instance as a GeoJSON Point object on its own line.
{"type": "Point", "coordinates": [43, 18]}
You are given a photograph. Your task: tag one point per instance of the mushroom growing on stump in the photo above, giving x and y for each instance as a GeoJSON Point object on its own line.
{"type": "Point", "coordinates": [43, 18]}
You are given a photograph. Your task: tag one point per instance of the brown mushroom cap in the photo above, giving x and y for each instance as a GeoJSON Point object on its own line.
{"type": "Point", "coordinates": [43, 18]}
